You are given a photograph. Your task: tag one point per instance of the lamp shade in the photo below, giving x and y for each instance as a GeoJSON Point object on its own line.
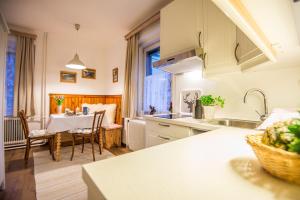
{"type": "Point", "coordinates": [75, 63]}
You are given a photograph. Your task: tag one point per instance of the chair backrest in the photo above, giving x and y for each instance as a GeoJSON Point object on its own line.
{"type": "Point", "coordinates": [97, 122]}
{"type": "Point", "coordinates": [24, 122]}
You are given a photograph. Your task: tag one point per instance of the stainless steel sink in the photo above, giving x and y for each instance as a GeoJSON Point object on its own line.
{"type": "Point", "coordinates": [236, 123]}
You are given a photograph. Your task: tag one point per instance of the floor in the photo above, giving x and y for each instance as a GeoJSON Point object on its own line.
{"type": "Point", "coordinates": [20, 183]}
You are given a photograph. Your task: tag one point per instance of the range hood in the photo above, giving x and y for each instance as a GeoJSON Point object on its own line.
{"type": "Point", "coordinates": [187, 61]}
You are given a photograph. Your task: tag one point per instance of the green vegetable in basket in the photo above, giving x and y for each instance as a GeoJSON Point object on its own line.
{"type": "Point", "coordinates": [294, 146]}
{"type": "Point", "coordinates": [295, 129]}
{"type": "Point", "coordinates": [284, 135]}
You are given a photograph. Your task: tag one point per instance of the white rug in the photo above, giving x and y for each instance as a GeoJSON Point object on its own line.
{"type": "Point", "coordinates": [62, 180]}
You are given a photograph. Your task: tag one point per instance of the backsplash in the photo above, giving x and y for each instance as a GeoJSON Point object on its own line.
{"type": "Point", "coordinates": [281, 85]}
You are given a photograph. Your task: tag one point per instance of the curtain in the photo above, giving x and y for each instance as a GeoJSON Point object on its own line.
{"type": "Point", "coordinates": [157, 92]}
{"type": "Point", "coordinates": [24, 75]}
{"type": "Point", "coordinates": [131, 72]}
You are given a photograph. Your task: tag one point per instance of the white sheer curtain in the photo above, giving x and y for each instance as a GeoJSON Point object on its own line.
{"type": "Point", "coordinates": [157, 92]}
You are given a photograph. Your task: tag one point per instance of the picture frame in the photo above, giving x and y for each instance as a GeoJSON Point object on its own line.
{"type": "Point", "coordinates": [115, 72]}
{"type": "Point", "coordinates": [88, 73]}
{"type": "Point", "coordinates": [68, 77]}
{"type": "Point", "coordinates": [188, 99]}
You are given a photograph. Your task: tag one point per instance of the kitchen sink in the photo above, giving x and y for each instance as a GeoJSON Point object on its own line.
{"type": "Point", "coordinates": [236, 123]}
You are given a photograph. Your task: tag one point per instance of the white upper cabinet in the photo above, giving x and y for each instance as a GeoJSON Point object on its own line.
{"type": "Point", "coordinates": [219, 40]}
{"type": "Point", "coordinates": [180, 26]}
{"type": "Point", "coordinates": [247, 53]}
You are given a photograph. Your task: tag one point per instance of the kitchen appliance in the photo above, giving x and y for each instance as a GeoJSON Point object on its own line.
{"type": "Point", "coordinates": [172, 116]}
{"type": "Point", "coordinates": [187, 61]}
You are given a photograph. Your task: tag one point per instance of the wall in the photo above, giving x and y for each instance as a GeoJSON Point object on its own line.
{"type": "Point", "coordinates": [280, 81]}
{"type": "Point", "coordinates": [115, 56]}
{"type": "Point", "coordinates": [60, 50]}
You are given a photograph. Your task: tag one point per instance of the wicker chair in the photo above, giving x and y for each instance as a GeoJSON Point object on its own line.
{"type": "Point", "coordinates": [90, 133]}
{"type": "Point", "coordinates": [34, 135]}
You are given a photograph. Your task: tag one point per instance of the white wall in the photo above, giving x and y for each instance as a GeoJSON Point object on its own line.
{"type": "Point", "coordinates": [115, 57]}
{"type": "Point", "coordinates": [60, 50]}
{"type": "Point", "coordinates": [280, 81]}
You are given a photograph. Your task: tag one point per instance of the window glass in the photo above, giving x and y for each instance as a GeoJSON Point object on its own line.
{"type": "Point", "coordinates": [10, 76]}
{"type": "Point", "coordinates": [157, 85]}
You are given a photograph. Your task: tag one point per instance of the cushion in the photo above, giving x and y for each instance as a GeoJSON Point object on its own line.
{"type": "Point", "coordinates": [110, 114]}
{"type": "Point", "coordinates": [38, 133]}
{"type": "Point", "coordinates": [93, 107]}
{"type": "Point", "coordinates": [81, 130]}
{"type": "Point", "coordinates": [110, 111]}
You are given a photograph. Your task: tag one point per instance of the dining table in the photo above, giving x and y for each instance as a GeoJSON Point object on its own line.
{"type": "Point", "coordinates": [62, 123]}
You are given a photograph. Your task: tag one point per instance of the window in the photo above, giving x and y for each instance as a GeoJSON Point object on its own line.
{"type": "Point", "coordinates": [157, 85]}
{"type": "Point", "coordinates": [10, 76]}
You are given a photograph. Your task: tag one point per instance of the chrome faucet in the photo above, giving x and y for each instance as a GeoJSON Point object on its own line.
{"type": "Point", "coordinates": [262, 116]}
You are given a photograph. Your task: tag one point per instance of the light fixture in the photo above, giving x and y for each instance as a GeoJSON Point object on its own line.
{"type": "Point", "coordinates": [76, 63]}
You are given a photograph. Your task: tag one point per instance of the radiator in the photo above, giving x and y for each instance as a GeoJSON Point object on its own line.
{"type": "Point", "coordinates": [136, 134]}
{"type": "Point", "coordinates": [13, 135]}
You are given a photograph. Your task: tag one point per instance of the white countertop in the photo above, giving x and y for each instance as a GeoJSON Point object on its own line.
{"type": "Point", "coordinates": [187, 121]}
{"type": "Point", "coordinates": [215, 165]}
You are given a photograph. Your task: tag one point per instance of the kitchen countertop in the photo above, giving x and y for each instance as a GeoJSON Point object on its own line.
{"type": "Point", "coordinates": [218, 164]}
{"type": "Point", "coordinates": [200, 124]}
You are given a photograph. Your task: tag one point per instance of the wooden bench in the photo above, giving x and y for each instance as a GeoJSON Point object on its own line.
{"type": "Point", "coordinates": [112, 135]}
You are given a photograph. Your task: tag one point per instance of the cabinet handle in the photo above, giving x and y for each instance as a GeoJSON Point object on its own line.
{"type": "Point", "coordinates": [235, 52]}
{"type": "Point", "coordinates": [164, 125]}
{"type": "Point", "coordinates": [164, 138]}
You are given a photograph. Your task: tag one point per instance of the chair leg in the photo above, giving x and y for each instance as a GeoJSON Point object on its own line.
{"type": "Point", "coordinates": [99, 142]}
{"type": "Point", "coordinates": [27, 150]}
{"type": "Point", "coordinates": [82, 148]}
{"type": "Point", "coordinates": [92, 142]}
{"type": "Point", "coordinates": [73, 146]}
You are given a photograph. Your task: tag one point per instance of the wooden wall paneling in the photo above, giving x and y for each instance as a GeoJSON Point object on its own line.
{"type": "Point", "coordinates": [76, 100]}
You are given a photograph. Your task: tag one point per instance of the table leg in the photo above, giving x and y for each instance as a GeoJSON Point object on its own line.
{"type": "Point", "coordinates": [58, 143]}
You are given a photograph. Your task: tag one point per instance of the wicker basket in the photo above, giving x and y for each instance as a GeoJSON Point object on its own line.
{"type": "Point", "coordinates": [280, 163]}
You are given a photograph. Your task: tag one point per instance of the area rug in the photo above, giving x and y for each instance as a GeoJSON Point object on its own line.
{"type": "Point", "coordinates": [62, 180]}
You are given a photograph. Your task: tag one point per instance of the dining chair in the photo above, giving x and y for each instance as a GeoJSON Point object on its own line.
{"type": "Point", "coordinates": [35, 135]}
{"type": "Point", "coordinates": [91, 133]}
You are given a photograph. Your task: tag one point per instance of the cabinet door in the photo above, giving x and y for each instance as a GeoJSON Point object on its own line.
{"type": "Point", "coordinates": [219, 40]}
{"type": "Point", "coordinates": [246, 49]}
{"type": "Point", "coordinates": [179, 26]}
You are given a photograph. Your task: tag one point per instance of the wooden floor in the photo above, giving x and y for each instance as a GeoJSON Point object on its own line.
{"type": "Point", "coordinates": [20, 183]}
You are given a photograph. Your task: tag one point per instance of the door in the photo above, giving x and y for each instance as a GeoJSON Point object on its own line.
{"type": "Point", "coordinates": [179, 26]}
{"type": "Point", "coordinates": [219, 40]}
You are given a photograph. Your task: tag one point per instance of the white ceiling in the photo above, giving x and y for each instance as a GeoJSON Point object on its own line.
{"type": "Point", "coordinates": [104, 20]}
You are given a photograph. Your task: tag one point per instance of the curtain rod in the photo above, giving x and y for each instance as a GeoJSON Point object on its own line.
{"type": "Point", "coordinates": [143, 25]}
{"type": "Point", "coordinates": [14, 32]}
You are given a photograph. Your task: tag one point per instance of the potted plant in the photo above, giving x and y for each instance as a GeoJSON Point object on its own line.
{"type": "Point", "coordinates": [59, 101]}
{"type": "Point", "coordinates": [210, 104]}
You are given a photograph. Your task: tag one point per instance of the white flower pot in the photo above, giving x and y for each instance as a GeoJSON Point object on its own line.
{"type": "Point", "coordinates": [209, 112]}
{"type": "Point", "coordinates": [59, 109]}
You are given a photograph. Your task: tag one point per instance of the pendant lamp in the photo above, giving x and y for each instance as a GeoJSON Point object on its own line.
{"type": "Point", "coordinates": [76, 63]}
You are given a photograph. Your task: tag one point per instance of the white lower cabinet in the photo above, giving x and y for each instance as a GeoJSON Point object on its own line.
{"type": "Point", "coordinates": [160, 133]}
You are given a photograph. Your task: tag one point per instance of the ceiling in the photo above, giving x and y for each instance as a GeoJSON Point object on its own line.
{"type": "Point", "coordinates": [104, 20]}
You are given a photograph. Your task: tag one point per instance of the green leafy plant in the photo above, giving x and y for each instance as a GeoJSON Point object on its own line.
{"type": "Point", "coordinates": [59, 100]}
{"type": "Point", "coordinates": [209, 100]}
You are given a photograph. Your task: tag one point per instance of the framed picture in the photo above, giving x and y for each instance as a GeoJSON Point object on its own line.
{"type": "Point", "coordinates": [67, 77]}
{"type": "Point", "coordinates": [88, 73]}
{"type": "Point", "coordinates": [115, 75]}
{"type": "Point", "coordinates": [187, 100]}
